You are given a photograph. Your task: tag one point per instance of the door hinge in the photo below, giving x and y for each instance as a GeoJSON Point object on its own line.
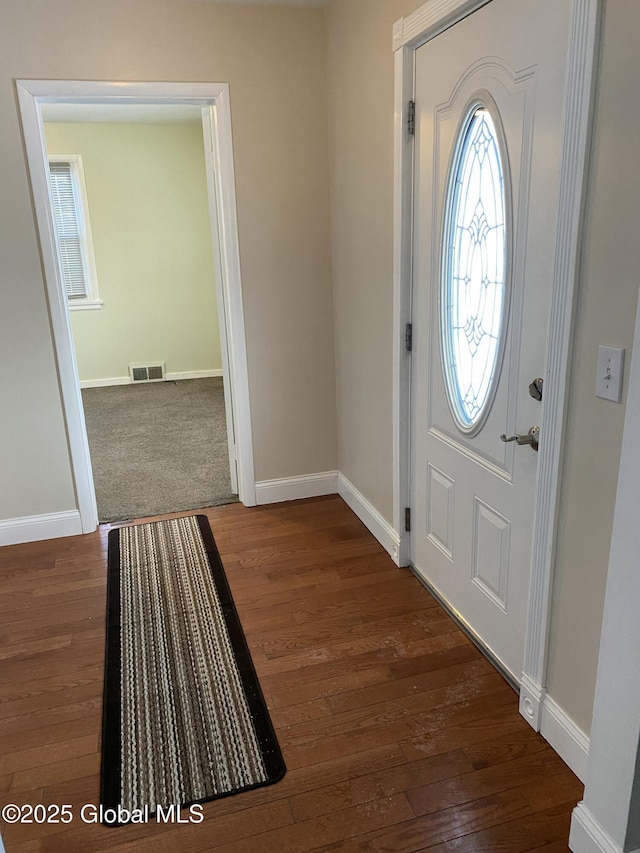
{"type": "Point", "coordinates": [407, 519]}
{"type": "Point", "coordinates": [411, 118]}
{"type": "Point", "coordinates": [408, 337]}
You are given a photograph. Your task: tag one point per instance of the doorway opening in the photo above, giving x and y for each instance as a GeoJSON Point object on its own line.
{"type": "Point", "coordinates": [131, 212]}
{"type": "Point", "coordinates": [175, 352]}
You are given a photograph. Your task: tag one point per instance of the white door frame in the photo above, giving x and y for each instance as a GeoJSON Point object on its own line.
{"type": "Point", "coordinates": [409, 34]}
{"type": "Point", "coordinates": [213, 98]}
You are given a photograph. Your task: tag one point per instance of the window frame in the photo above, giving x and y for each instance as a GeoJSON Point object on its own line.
{"type": "Point", "coordinates": [480, 100]}
{"type": "Point", "coordinates": [91, 301]}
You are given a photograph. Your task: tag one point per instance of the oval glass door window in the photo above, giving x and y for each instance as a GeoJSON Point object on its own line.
{"type": "Point", "coordinates": [474, 268]}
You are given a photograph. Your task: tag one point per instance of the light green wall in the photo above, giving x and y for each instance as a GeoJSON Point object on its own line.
{"type": "Point", "coordinates": [147, 195]}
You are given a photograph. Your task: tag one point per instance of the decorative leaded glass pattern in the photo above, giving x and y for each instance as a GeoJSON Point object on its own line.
{"type": "Point", "coordinates": [474, 271]}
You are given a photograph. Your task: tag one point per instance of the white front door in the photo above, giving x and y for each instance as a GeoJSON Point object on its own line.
{"type": "Point", "coordinates": [489, 97]}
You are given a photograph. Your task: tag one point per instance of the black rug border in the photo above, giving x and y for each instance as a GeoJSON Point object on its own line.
{"type": "Point", "coordinates": [111, 770]}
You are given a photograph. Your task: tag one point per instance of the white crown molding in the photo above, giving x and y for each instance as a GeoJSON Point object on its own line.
{"type": "Point", "coordinates": [34, 528]}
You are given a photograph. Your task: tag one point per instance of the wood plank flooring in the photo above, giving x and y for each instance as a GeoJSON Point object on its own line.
{"type": "Point", "coordinates": [397, 733]}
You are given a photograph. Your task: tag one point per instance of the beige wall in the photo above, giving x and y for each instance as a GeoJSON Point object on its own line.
{"type": "Point", "coordinates": [361, 140]}
{"type": "Point", "coordinates": [274, 60]}
{"type": "Point", "coordinates": [605, 315]}
{"type": "Point", "coordinates": [361, 152]}
{"type": "Point", "coordinates": [148, 205]}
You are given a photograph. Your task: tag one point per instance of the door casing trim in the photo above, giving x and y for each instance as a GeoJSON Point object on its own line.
{"type": "Point", "coordinates": [213, 98]}
{"type": "Point", "coordinates": [409, 34]}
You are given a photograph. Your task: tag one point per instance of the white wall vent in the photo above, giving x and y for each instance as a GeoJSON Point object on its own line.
{"type": "Point", "coordinates": [146, 372]}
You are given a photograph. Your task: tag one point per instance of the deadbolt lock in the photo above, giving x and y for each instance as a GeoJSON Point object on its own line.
{"type": "Point", "coordinates": [535, 389]}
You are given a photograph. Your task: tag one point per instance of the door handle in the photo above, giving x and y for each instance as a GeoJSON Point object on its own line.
{"type": "Point", "coordinates": [531, 438]}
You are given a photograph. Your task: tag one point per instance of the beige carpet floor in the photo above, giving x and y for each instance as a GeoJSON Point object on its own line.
{"type": "Point", "coordinates": [158, 447]}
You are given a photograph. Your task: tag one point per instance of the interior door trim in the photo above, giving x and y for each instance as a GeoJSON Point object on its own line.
{"type": "Point", "coordinates": [213, 99]}
{"type": "Point", "coordinates": [409, 34]}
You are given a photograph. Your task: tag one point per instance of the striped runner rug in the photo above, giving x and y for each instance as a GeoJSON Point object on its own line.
{"type": "Point", "coordinates": [184, 718]}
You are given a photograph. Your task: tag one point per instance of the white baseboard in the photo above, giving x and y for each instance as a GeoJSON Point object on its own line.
{"type": "Point", "coordinates": [587, 836]}
{"type": "Point", "coordinates": [386, 535]}
{"type": "Point", "coordinates": [34, 528]}
{"type": "Point", "coordinates": [193, 374]}
{"type": "Point", "coordinates": [568, 740]}
{"type": "Point", "coordinates": [296, 488]}
{"type": "Point", "coordinates": [170, 377]}
{"type": "Point", "coordinates": [104, 383]}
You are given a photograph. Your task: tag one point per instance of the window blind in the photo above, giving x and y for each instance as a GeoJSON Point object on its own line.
{"type": "Point", "coordinates": [68, 232]}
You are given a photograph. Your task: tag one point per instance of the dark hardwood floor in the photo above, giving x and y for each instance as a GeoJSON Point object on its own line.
{"type": "Point", "coordinates": [397, 733]}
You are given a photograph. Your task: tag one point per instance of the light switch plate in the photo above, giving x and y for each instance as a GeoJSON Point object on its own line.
{"type": "Point", "coordinates": [609, 376]}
